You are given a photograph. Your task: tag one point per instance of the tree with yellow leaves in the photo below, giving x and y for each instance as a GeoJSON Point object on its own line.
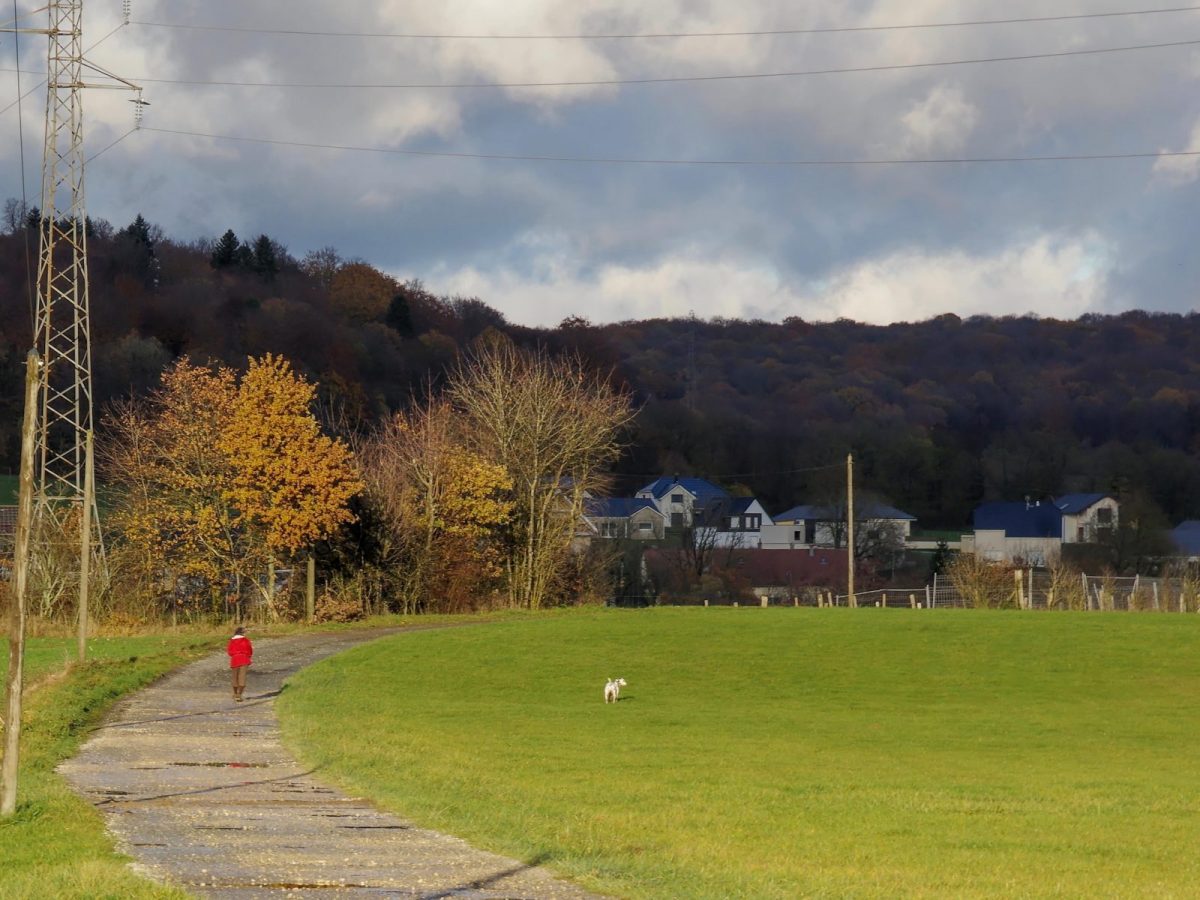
{"type": "Point", "coordinates": [445, 507]}
{"type": "Point", "coordinates": [215, 477]}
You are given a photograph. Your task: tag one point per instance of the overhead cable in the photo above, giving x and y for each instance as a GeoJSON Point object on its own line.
{"type": "Point", "coordinates": [767, 32]}
{"type": "Point", "coordinates": [731, 163]}
{"type": "Point", "coordinates": [669, 79]}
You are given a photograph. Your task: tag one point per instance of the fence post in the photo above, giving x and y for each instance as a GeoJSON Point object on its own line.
{"type": "Point", "coordinates": [883, 600]}
{"type": "Point", "coordinates": [912, 600]}
{"type": "Point", "coordinates": [1019, 576]}
{"type": "Point", "coordinates": [310, 590]}
{"type": "Point", "coordinates": [1154, 584]}
{"type": "Point", "coordinates": [763, 598]}
{"type": "Point", "coordinates": [1087, 598]}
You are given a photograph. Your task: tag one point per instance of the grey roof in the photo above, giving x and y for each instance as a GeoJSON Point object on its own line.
{"type": "Point", "coordinates": [616, 507]}
{"type": "Point", "coordinates": [868, 510]}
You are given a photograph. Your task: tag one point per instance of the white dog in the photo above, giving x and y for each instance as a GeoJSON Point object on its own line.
{"type": "Point", "coordinates": [612, 690]}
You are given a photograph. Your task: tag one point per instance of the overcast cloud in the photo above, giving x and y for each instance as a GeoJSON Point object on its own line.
{"type": "Point", "coordinates": [541, 241]}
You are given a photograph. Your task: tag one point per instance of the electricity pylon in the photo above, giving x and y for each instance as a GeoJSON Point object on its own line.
{"type": "Point", "coordinates": [62, 327]}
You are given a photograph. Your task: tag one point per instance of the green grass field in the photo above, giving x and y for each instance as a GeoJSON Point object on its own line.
{"type": "Point", "coordinates": [783, 752]}
{"type": "Point", "coordinates": [56, 845]}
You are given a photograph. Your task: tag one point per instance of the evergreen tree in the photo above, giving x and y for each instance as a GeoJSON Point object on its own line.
{"type": "Point", "coordinates": [225, 253]}
{"type": "Point", "coordinates": [266, 261]}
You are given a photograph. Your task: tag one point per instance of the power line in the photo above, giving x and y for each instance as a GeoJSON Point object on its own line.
{"type": "Point", "coordinates": [730, 163]}
{"type": "Point", "coordinates": [672, 35]}
{"type": "Point", "coordinates": [670, 79]}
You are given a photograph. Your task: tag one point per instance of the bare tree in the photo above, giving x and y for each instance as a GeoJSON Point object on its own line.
{"type": "Point", "coordinates": [554, 428]}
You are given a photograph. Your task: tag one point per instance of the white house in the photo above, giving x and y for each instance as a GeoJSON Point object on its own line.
{"type": "Point", "coordinates": [684, 500]}
{"type": "Point", "coordinates": [824, 526]}
{"type": "Point", "coordinates": [1034, 532]}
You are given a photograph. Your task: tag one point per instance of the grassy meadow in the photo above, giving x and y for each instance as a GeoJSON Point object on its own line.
{"type": "Point", "coordinates": [783, 752]}
{"type": "Point", "coordinates": [56, 846]}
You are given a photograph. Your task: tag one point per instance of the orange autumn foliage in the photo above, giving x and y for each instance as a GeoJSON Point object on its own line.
{"type": "Point", "coordinates": [211, 476]}
{"type": "Point", "coordinates": [289, 480]}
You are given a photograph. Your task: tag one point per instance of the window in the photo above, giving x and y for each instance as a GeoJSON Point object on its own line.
{"type": "Point", "coordinates": [645, 526]}
{"type": "Point", "coordinates": [798, 537]}
{"type": "Point", "coordinates": [1104, 516]}
{"type": "Point", "coordinates": [677, 498]}
{"type": "Point", "coordinates": [676, 520]}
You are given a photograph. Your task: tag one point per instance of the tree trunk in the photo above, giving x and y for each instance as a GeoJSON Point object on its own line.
{"type": "Point", "coordinates": [16, 631]}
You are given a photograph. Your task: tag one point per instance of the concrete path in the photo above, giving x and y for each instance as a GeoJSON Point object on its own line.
{"type": "Point", "coordinates": [200, 791]}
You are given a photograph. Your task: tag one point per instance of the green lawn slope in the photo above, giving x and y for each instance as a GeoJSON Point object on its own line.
{"type": "Point", "coordinates": [56, 845]}
{"type": "Point", "coordinates": [783, 753]}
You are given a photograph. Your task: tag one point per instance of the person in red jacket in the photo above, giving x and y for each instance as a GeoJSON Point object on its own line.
{"type": "Point", "coordinates": [241, 652]}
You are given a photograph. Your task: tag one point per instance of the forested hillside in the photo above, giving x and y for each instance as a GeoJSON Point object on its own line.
{"type": "Point", "coordinates": [940, 414]}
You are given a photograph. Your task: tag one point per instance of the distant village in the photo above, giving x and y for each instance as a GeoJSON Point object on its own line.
{"type": "Point", "coordinates": [804, 547]}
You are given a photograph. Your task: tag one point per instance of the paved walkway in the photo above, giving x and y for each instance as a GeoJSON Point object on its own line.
{"type": "Point", "coordinates": [200, 791]}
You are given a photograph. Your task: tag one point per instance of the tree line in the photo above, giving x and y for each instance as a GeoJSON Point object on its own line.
{"type": "Point", "coordinates": [940, 414]}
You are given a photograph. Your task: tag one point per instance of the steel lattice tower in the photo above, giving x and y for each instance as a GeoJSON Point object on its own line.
{"type": "Point", "coordinates": [62, 329]}
{"type": "Point", "coordinates": [62, 326]}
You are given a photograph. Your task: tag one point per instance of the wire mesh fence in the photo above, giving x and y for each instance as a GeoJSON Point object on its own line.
{"type": "Point", "coordinates": [1031, 589]}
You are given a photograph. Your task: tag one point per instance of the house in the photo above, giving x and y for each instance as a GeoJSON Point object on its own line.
{"type": "Point", "coordinates": [624, 517]}
{"type": "Point", "coordinates": [1034, 532]}
{"type": "Point", "coordinates": [734, 522]}
{"type": "Point", "coordinates": [1086, 516]}
{"type": "Point", "coordinates": [682, 500]}
{"type": "Point", "coordinates": [1186, 538]}
{"type": "Point", "coordinates": [825, 526]}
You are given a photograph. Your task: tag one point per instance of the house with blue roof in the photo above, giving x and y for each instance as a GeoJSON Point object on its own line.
{"type": "Point", "coordinates": [1186, 538]}
{"type": "Point", "coordinates": [685, 501]}
{"type": "Point", "coordinates": [624, 517]}
{"type": "Point", "coordinates": [816, 525]}
{"type": "Point", "coordinates": [1033, 532]}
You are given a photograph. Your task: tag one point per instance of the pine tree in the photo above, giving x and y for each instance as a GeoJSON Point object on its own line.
{"type": "Point", "coordinates": [225, 253]}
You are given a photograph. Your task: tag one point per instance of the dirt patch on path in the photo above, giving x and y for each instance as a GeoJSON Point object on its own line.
{"type": "Point", "coordinates": [201, 793]}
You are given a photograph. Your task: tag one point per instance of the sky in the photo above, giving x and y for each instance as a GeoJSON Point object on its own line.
{"type": "Point", "coordinates": [610, 241]}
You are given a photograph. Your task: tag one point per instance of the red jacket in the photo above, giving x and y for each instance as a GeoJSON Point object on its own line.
{"type": "Point", "coordinates": [240, 651]}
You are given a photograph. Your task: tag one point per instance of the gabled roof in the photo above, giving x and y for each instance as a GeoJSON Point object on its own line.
{"type": "Point", "coordinates": [702, 490]}
{"type": "Point", "coordinates": [617, 507]}
{"type": "Point", "coordinates": [740, 505]}
{"type": "Point", "coordinates": [829, 514]}
{"type": "Point", "coordinates": [1074, 504]}
{"type": "Point", "coordinates": [1039, 520]}
{"type": "Point", "coordinates": [1186, 537]}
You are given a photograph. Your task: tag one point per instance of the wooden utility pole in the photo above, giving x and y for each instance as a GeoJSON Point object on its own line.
{"type": "Point", "coordinates": [850, 530]}
{"type": "Point", "coordinates": [85, 544]}
{"type": "Point", "coordinates": [16, 624]}
{"type": "Point", "coordinates": [310, 593]}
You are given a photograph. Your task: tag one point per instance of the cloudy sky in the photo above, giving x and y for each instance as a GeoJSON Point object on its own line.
{"type": "Point", "coordinates": [541, 240]}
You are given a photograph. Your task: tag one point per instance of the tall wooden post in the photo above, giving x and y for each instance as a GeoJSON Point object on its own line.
{"type": "Point", "coordinates": [16, 626]}
{"type": "Point", "coordinates": [310, 594]}
{"type": "Point", "coordinates": [850, 529]}
{"type": "Point", "coordinates": [85, 544]}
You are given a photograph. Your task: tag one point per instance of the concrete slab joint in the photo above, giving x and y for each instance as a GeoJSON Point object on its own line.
{"type": "Point", "coordinates": [201, 793]}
